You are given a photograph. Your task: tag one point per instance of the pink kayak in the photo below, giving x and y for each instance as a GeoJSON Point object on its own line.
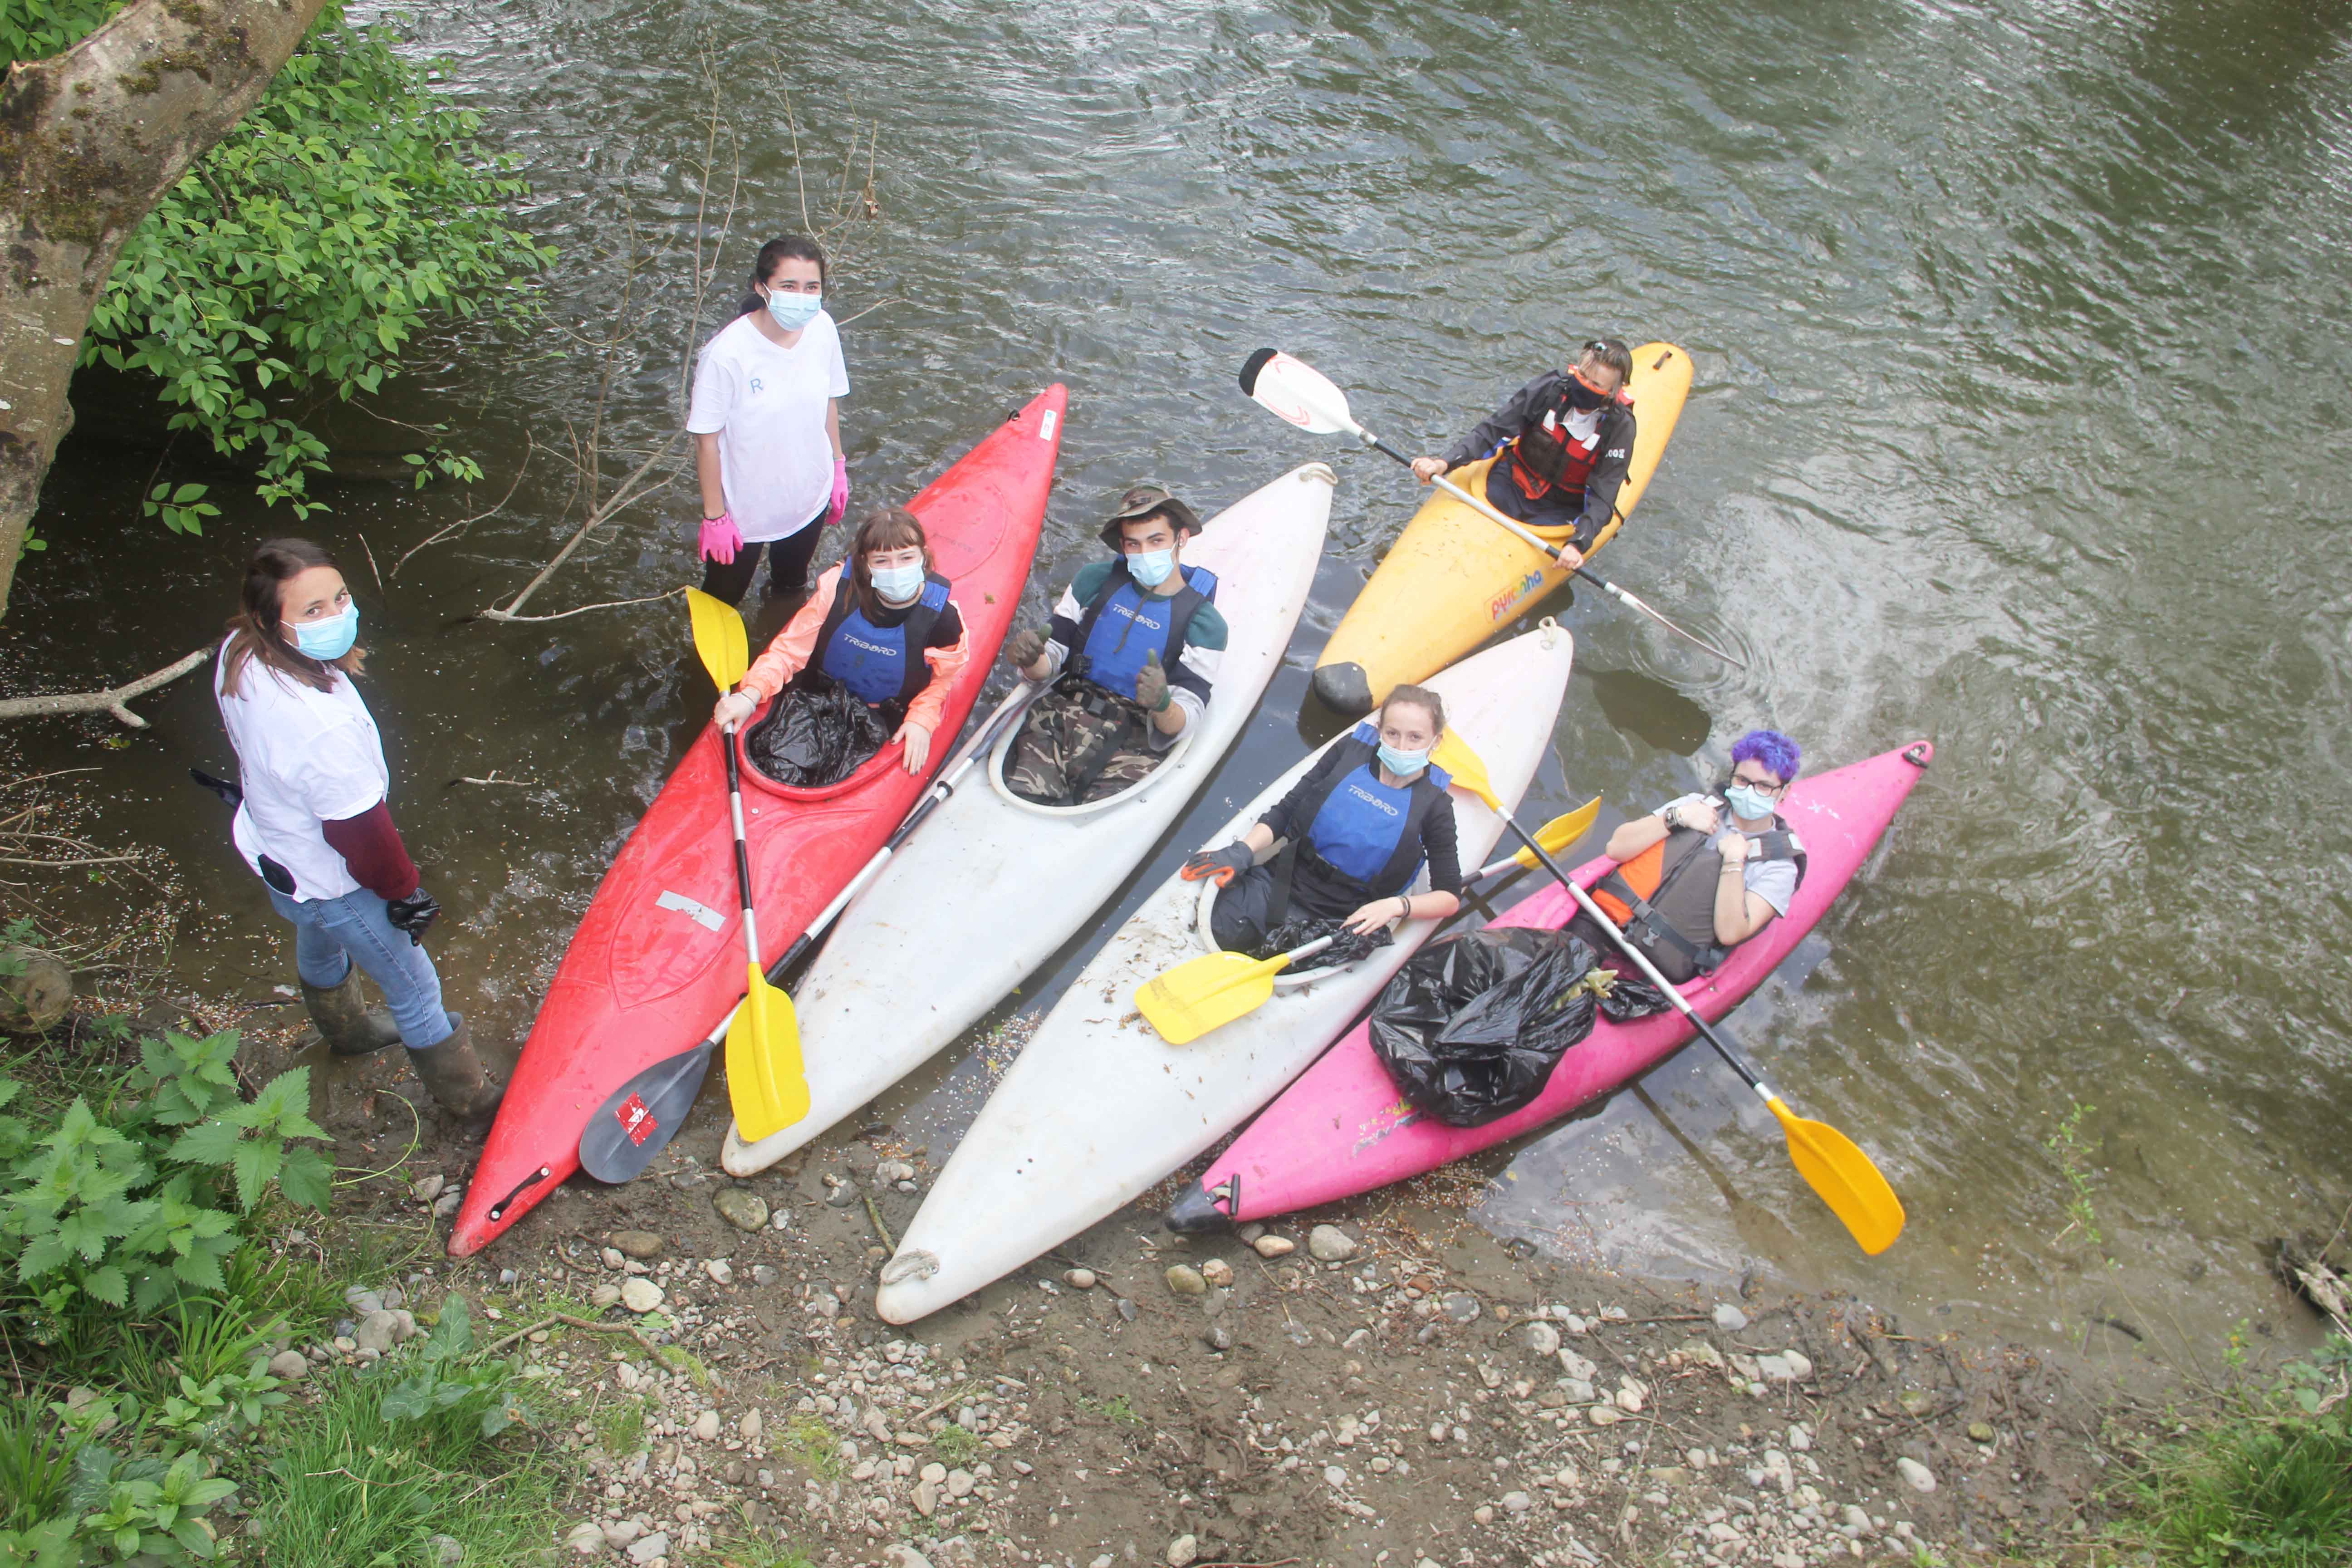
{"type": "Point", "coordinates": [1342, 1128]}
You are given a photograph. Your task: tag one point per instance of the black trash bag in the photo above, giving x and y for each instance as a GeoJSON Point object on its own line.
{"type": "Point", "coordinates": [817, 733]}
{"type": "Point", "coordinates": [1632, 998]}
{"type": "Point", "coordinates": [1472, 1027]}
{"type": "Point", "coordinates": [1300, 929]}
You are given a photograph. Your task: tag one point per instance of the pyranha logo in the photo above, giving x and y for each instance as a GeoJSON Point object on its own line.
{"type": "Point", "coordinates": [1502, 603]}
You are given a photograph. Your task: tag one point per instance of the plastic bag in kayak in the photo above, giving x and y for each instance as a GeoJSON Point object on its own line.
{"type": "Point", "coordinates": [1472, 1027]}
{"type": "Point", "coordinates": [1632, 998]}
{"type": "Point", "coordinates": [1301, 929]}
{"type": "Point", "coordinates": [813, 735]}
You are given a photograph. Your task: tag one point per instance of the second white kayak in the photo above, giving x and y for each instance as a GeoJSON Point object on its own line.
{"type": "Point", "coordinates": [1098, 1107]}
{"type": "Point", "coordinates": [992, 885]}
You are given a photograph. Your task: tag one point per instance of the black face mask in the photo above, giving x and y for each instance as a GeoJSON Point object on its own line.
{"type": "Point", "coordinates": [1582, 398]}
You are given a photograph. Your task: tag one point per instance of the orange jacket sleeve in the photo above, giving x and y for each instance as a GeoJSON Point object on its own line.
{"type": "Point", "coordinates": [946, 664]}
{"type": "Point", "coordinates": [789, 654]}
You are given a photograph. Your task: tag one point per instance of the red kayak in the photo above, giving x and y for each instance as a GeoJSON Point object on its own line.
{"type": "Point", "coordinates": [1342, 1128]}
{"type": "Point", "coordinates": [659, 961]}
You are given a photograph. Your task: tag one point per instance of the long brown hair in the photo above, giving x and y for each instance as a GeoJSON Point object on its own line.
{"type": "Point", "coordinates": [883, 528]}
{"type": "Point", "coordinates": [257, 630]}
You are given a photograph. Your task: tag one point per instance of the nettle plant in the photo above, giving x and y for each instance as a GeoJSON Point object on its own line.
{"type": "Point", "coordinates": [127, 1205]}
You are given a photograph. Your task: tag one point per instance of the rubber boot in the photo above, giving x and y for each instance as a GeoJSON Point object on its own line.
{"type": "Point", "coordinates": [455, 1075]}
{"type": "Point", "coordinates": [344, 1020]}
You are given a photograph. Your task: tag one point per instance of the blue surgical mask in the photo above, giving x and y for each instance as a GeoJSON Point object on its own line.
{"type": "Point", "coordinates": [1750, 805]}
{"type": "Point", "coordinates": [1150, 567]}
{"type": "Point", "coordinates": [897, 585]}
{"type": "Point", "coordinates": [1402, 763]}
{"type": "Point", "coordinates": [330, 638]}
{"type": "Point", "coordinates": [793, 312]}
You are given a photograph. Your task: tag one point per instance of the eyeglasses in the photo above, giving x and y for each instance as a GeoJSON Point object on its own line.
{"type": "Point", "coordinates": [1768, 784]}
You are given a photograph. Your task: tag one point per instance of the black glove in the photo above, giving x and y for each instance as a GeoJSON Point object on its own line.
{"type": "Point", "coordinates": [413, 914]}
{"type": "Point", "coordinates": [1025, 648]}
{"type": "Point", "coordinates": [1220, 865]}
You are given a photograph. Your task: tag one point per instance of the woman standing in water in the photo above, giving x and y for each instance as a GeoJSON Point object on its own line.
{"type": "Point", "coordinates": [313, 822]}
{"type": "Point", "coordinates": [766, 422]}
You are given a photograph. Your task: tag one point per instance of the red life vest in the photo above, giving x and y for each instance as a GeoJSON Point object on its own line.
{"type": "Point", "coordinates": [1545, 458]}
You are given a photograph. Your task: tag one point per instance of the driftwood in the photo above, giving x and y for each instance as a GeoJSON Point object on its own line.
{"type": "Point", "coordinates": [107, 701]}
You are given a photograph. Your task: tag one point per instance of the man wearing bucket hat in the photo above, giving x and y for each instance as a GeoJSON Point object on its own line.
{"type": "Point", "coordinates": [1136, 641]}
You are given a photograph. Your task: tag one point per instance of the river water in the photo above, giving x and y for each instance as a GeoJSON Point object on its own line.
{"type": "Point", "coordinates": [2019, 424]}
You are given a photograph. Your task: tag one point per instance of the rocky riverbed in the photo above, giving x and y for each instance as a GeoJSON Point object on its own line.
{"type": "Point", "coordinates": [1381, 1385]}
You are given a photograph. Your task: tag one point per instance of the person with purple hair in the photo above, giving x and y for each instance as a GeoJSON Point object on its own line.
{"type": "Point", "coordinates": [1703, 873]}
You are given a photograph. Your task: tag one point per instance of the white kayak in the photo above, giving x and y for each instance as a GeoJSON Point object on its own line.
{"type": "Point", "coordinates": [1098, 1107]}
{"type": "Point", "coordinates": [993, 884]}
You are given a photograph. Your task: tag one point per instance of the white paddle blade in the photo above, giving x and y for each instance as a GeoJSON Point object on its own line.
{"type": "Point", "coordinates": [1297, 392]}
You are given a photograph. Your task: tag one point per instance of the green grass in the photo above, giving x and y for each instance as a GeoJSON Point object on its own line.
{"type": "Point", "coordinates": [955, 1444]}
{"type": "Point", "coordinates": [811, 1443]}
{"type": "Point", "coordinates": [341, 1486]}
{"type": "Point", "coordinates": [2258, 1488]}
{"type": "Point", "coordinates": [621, 1426]}
{"type": "Point", "coordinates": [35, 1470]}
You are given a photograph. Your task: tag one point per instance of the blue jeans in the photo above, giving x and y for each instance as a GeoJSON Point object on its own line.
{"type": "Point", "coordinates": [332, 934]}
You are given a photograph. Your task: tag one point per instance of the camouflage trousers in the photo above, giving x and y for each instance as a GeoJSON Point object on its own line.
{"type": "Point", "coordinates": [1080, 746]}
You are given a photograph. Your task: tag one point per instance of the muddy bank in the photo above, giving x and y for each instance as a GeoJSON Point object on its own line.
{"type": "Point", "coordinates": [1385, 1384]}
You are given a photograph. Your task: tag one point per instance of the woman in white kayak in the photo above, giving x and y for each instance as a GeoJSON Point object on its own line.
{"type": "Point", "coordinates": [314, 824]}
{"type": "Point", "coordinates": [882, 624]}
{"type": "Point", "coordinates": [1357, 830]}
{"type": "Point", "coordinates": [766, 422]}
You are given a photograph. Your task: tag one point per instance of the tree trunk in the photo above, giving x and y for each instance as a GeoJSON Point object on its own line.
{"type": "Point", "coordinates": [88, 143]}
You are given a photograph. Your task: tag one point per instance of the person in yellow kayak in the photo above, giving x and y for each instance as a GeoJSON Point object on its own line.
{"type": "Point", "coordinates": [883, 624]}
{"type": "Point", "coordinates": [1561, 446]}
{"type": "Point", "coordinates": [1702, 874]}
{"type": "Point", "coordinates": [1136, 641]}
{"type": "Point", "coordinates": [1355, 832]}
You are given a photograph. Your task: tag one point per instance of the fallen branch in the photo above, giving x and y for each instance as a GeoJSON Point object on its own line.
{"type": "Point", "coordinates": [570, 1321]}
{"type": "Point", "coordinates": [566, 614]}
{"type": "Point", "coordinates": [494, 779]}
{"type": "Point", "coordinates": [91, 860]}
{"type": "Point", "coordinates": [107, 701]}
{"type": "Point", "coordinates": [530, 444]}
{"type": "Point", "coordinates": [511, 610]}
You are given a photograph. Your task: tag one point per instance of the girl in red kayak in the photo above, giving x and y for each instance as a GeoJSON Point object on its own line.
{"type": "Point", "coordinates": [882, 624]}
{"type": "Point", "coordinates": [766, 422]}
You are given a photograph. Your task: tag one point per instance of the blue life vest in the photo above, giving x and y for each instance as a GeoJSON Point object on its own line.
{"type": "Point", "coordinates": [1363, 838]}
{"type": "Point", "coordinates": [879, 663]}
{"type": "Point", "coordinates": [1126, 621]}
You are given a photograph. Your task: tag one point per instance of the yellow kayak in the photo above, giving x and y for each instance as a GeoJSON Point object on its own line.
{"type": "Point", "coordinates": [1454, 577]}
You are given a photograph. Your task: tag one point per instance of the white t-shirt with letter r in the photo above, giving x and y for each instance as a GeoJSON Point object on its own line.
{"type": "Point", "coordinates": [304, 757]}
{"type": "Point", "coordinates": [767, 407]}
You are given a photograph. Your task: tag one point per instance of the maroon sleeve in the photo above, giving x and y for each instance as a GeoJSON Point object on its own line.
{"type": "Point", "coordinates": [370, 845]}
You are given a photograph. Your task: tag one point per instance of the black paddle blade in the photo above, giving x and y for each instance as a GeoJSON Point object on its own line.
{"type": "Point", "coordinates": [628, 1129]}
{"type": "Point", "coordinates": [1251, 366]}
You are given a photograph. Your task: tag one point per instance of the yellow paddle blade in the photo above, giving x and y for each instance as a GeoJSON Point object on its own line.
{"type": "Point", "coordinates": [1454, 754]}
{"type": "Point", "coordinates": [718, 637]}
{"type": "Point", "coordinates": [1206, 993]}
{"type": "Point", "coordinates": [765, 1080]}
{"type": "Point", "coordinates": [1844, 1177]}
{"type": "Point", "coordinates": [1560, 832]}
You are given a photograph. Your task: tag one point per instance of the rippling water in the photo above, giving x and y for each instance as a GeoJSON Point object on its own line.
{"type": "Point", "coordinates": [2019, 423]}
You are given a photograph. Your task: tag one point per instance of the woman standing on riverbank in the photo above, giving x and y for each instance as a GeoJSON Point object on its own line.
{"type": "Point", "coordinates": [314, 824]}
{"type": "Point", "coordinates": [766, 422]}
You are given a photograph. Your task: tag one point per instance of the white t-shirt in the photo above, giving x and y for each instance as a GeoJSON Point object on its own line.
{"type": "Point", "coordinates": [1774, 881]}
{"type": "Point", "coordinates": [304, 757]}
{"type": "Point", "coordinates": [767, 407]}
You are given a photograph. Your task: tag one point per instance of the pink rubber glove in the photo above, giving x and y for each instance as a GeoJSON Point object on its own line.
{"type": "Point", "coordinates": [840, 491]}
{"type": "Point", "coordinates": [721, 538]}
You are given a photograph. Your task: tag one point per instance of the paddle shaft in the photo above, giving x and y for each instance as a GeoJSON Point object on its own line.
{"type": "Point", "coordinates": [1641, 961]}
{"type": "Point", "coordinates": [1549, 550]}
{"type": "Point", "coordinates": [742, 844]}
